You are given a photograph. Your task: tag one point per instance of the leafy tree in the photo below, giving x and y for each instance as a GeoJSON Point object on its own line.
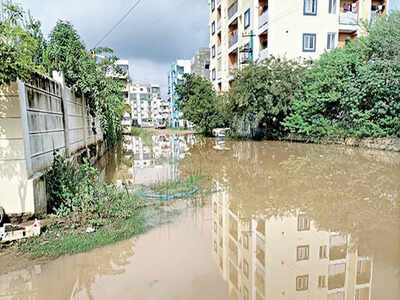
{"type": "Point", "coordinates": [199, 103]}
{"type": "Point", "coordinates": [21, 42]}
{"type": "Point", "coordinates": [261, 96]}
{"type": "Point", "coordinates": [353, 91]}
{"type": "Point", "coordinates": [88, 73]}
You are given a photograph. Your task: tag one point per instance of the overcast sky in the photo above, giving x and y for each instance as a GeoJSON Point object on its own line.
{"type": "Point", "coordinates": [155, 34]}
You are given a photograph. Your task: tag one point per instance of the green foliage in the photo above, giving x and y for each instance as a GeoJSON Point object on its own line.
{"type": "Point", "coordinates": [88, 73]}
{"type": "Point", "coordinates": [262, 95]}
{"type": "Point", "coordinates": [21, 45]}
{"type": "Point", "coordinates": [199, 103]}
{"type": "Point", "coordinates": [177, 186]}
{"type": "Point", "coordinates": [53, 244]}
{"type": "Point", "coordinates": [354, 91]}
{"type": "Point", "coordinates": [147, 138]}
{"type": "Point", "coordinates": [75, 192]}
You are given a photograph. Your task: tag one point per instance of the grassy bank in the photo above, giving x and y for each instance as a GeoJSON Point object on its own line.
{"type": "Point", "coordinates": [61, 239]}
{"type": "Point", "coordinates": [89, 214]}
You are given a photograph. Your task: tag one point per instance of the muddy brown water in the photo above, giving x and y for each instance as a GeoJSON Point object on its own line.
{"type": "Point", "coordinates": [289, 221]}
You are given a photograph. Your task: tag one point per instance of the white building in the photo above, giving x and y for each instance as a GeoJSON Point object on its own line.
{"type": "Point", "coordinates": [146, 104]}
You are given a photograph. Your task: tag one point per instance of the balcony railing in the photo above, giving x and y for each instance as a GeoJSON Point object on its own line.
{"type": "Point", "coordinates": [234, 39]}
{"type": "Point", "coordinates": [263, 19]}
{"type": "Point", "coordinates": [348, 18]}
{"type": "Point", "coordinates": [232, 10]}
{"type": "Point", "coordinates": [219, 50]}
{"type": "Point", "coordinates": [219, 25]}
{"type": "Point", "coordinates": [219, 75]}
{"type": "Point", "coordinates": [218, 2]}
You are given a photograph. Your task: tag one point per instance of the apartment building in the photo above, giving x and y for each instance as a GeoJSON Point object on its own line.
{"type": "Point", "coordinates": [145, 101]}
{"type": "Point", "coordinates": [201, 63]}
{"type": "Point", "coordinates": [244, 31]}
{"type": "Point", "coordinates": [285, 257]}
{"type": "Point", "coordinates": [175, 77]}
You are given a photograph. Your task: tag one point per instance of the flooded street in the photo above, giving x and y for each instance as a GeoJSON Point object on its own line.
{"type": "Point", "coordinates": [287, 221]}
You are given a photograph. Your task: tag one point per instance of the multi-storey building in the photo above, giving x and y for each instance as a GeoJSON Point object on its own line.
{"type": "Point", "coordinates": [243, 31]}
{"type": "Point", "coordinates": [145, 101]}
{"type": "Point", "coordinates": [286, 258]}
{"type": "Point", "coordinates": [175, 77]}
{"type": "Point", "coordinates": [201, 63]}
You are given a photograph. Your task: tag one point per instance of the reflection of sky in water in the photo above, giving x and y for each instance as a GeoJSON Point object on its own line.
{"type": "Point", "coordinates": [292, 221]}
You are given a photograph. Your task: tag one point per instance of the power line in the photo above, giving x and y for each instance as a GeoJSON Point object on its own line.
{"type": "Point", "coordinates": [119, 22]}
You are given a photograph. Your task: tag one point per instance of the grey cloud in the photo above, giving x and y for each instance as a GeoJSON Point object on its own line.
{"type": "Point", "coordinates": [156, 33]}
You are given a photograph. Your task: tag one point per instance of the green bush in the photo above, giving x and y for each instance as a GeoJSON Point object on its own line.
{"type": "Point", "coordinates": [353, 91]}
{"type": "Point", "coordinates": [75, 192]}
{"type": "Point", "coordinates": [262, 95]}
{"type": "Point", "coordinates": [199, 103]}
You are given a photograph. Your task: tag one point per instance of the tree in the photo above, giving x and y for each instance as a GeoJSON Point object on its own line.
{"type": "Point", "coordinates": [21, 42]}
{"type": "Point", "coordinates": [88, 73]}
{"type": "Point", "coordinates": [199, 103]}
{"type": "Point", "coordinates": [262, 95]}
{"type": "Point", "coordinates": [353, 91]}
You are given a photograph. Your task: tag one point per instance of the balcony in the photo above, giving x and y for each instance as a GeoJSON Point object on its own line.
{"type": "Point", "coordinates": [219, 75]}
{"type": "Point", "coordinates": [263, 20]}
{"type": "Point", "coordinates": [219, 50]}
{"type": "Point", "coordinates": [218, 3]}
{"type": "Point", "coordinates": [348, 21]}
{"type": "Point", "coordinates": [219, 25]}
{"type": "Point", "coordinates": [234, 39]}
{"type": "Point", "coordinates": [232, 11]}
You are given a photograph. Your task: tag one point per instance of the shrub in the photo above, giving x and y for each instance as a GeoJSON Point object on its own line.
{"type": "Point", "coordinates": [75, 192]}
{"type": "Point", "coordinates": [262, 95]}
{"type": "Point", "coordinates": [353, 91]}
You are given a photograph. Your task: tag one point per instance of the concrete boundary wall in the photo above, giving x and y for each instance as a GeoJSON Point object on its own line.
{"type": "Point", "coordinates": [37, 118]}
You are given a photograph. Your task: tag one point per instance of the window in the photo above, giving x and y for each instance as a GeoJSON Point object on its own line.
{"type": "Point", "coordinates": [310, 7]}
{"type": "Point", "coordinates": [213, 51]}
{"type": "Point", "coordinates": [207, 66]}
{"type": "Point", "coordinates": [323, 252]}
{"type": "Point", "coordinates": [214, 74]}
{"type": "Point", "coordinates": [212, 5]}
{"type": "Point", "coordinates": [303, 252]}
{"type": "Point", "coordinates": [303, 223]}
{"type": "Point", "coordinates": [302, 283]}
{"type": "Point", "coordinates": [332, 6]}
{"type": "Point", "coordinates": [309, 41]}
{"type": "Point", "coordinates": [213, 28]}
{"type": "Point", "coordinates": [245, 268]}
{"type": "Point", "coordinates": [331, 44]}
{"type": "Point", "coordinates": [321, 281]}
{"type": "Point", "coordinates": [247, 19]}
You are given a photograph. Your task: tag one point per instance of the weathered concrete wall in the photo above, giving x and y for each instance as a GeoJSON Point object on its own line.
{"type": "Point", "coordinates": [35, 119]}
{"type": "Point", "coordinates": [201, 63]}
{"type": "Point", "coordinates": [388, 144]}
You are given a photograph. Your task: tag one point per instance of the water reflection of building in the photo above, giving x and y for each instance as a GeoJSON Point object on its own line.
{"type": "Point", "coordinates": [155, 158]}
{"type": "Point", "coordinates": [285, 257]}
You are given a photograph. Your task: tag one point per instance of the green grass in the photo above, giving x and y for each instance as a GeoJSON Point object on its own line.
{"type": "Point", "coordinates": [177, 186]}
{"type": "Point", "coordinates": [58, 240]}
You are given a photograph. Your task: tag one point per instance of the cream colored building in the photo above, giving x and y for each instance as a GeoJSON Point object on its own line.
{"type": "Point", "coordinates": [244, 31]}
{"type": "Point", "coordinates": [285, 257]}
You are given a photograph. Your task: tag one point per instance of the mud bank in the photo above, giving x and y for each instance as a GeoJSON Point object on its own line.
{"type": "Point", "coordinates": [386, 144]}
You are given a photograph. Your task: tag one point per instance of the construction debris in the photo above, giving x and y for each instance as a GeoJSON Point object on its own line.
{"type": "Point", "coordinates": [11, 232]}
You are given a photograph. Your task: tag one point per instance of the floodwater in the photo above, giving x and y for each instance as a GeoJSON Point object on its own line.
{"type": "Point", "coordinates": [287, 221]}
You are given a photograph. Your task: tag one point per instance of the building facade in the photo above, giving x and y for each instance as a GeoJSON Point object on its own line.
{"type": "Point", "coordinates": [244, 31]}
{"type": "Point", "coordinates": [146, 104]}
{"type": "Point", "coordinates": [201, 63]}
{"type": "Point", "coordinates": [175, 77]}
